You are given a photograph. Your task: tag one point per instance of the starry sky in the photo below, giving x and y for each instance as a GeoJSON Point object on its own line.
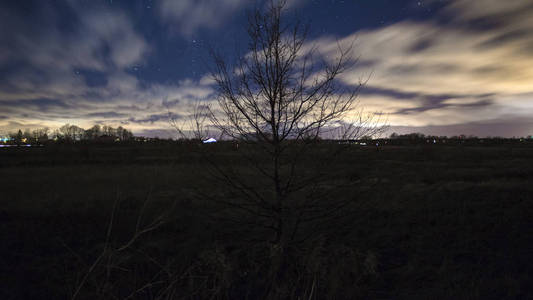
{"type": "Point", "coordinates": [444, 67]}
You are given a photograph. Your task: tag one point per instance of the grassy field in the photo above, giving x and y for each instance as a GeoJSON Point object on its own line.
{"type": "Point", "coordinates": [428, 222]}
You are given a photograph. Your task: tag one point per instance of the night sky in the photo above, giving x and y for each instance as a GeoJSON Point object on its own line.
{"type": "Point", "coordinates": [445, 67]}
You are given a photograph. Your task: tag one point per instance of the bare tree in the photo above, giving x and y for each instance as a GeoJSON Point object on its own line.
{"type": "Point", "coordinates": [194, 124]}
{"type": "Point", "coordinates": [282, 99]}
{"type": "Point", "coordinates": [278, 103]}
{"type": "Point", "coordinates": [41, 134]}
{"type": "Point", "coordinates": [93, 133]}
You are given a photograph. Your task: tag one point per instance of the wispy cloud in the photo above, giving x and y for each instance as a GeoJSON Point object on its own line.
{"type": "Point", "coordinates": [188, 16]}
{"type": "Point", "coordinates": [471, 63]}
{"type": "Point", "coordinates": [81, 76]}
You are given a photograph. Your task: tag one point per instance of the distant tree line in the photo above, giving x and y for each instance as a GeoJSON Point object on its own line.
{"type": "Point", "coordinates": [418, 135]}
{"type": "Point", "coordinates": [105, 133]}
{"type": "Point", "coordinates": [71, 133]}
{"type": "Point", "coordinates": [420, 138]}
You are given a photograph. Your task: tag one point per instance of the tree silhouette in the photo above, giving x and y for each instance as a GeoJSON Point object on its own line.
{"type": "Point", "coordinates": [279, 100]}
{"type": "Point", "coordinates": [18, 137]}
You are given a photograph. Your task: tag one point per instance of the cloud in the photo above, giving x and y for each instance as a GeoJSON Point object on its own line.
{"type": "Point", "coordinates": [101, 40]}
{"type": "Point", "coordinates": [106, 115]}
{"type": "Point", "coordinates": [77, 75]}
{"type": "Point", "coordinates": [426, 102]}
{"type": "Point", "coordinates": [71, 66]}
{"type": "Point", "coordinates": [43, 104]}
{"type": "Point", "coordinates": [189, 16]}
{"type": "Point", "coordinates": [470, 63]}
{"type": "Point", "coordinates": [436, 103]}
{"type": "Point", "coordinates": [114, 31]}
{"type": "Point", "coordinates": [155, 118]}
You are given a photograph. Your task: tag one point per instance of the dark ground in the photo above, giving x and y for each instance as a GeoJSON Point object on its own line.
{"type": "Point", "coordinates": [432, 222]}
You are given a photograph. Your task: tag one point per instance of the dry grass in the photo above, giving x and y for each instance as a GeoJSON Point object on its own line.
{"type": "Point", "coordinates": [440, 223]}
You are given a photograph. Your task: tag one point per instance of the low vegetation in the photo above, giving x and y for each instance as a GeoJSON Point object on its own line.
{"type": "Point", "coordinates": [117, 221]}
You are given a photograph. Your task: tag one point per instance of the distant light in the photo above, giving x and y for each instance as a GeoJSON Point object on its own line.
{"type": "Point", "coordinates": [209, 140]}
